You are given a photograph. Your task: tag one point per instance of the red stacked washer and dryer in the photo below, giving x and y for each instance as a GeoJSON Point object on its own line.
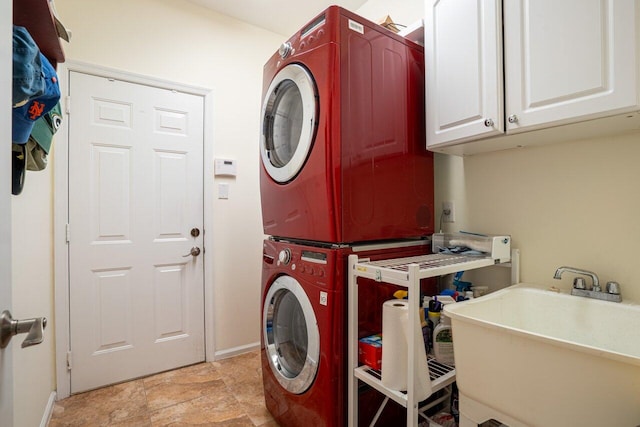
{"type": "Point", "coordinates": [344, 170]}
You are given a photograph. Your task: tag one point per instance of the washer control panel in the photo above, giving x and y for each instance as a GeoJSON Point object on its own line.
{"type": "Point", "coordinates": [308, 262]}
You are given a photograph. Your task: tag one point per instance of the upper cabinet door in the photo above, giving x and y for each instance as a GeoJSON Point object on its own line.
{"type": "Point", "coordinates": [568, 60]}
{"type": "Point", "coordinates": [463, 67]}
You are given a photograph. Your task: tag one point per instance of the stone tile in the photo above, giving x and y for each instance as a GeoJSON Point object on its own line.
{"type": "Point", "coordinates": [139, 421]}
{"type": "Point", "coordinates": [270, 423]}
{"type": "Point", "coordinates": [257, 412]}
{"type": "Point", "coordinates": [248, 391]}
{"type": "Point", "coordinates": [207, 410]}
{"type": "Point", "coordinates": [225, 393]}
{"type": "Point", "coordinates": [240, 369]}
{"type": "Point", "coordinates": [242, 421]}
{"type": "Point", "coordinates": [170, 388]}
{"type": "Point", "coordinates": [106, 406]}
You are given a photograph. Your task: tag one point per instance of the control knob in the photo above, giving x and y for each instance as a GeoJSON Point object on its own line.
{"type": "Point", "coordinates": [285, 50]}
{"type": "Point", "coordinates": [285, 256]}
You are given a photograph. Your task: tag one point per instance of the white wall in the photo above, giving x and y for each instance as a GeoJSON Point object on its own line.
{"type": "Point", "coordinates": [574, 203]}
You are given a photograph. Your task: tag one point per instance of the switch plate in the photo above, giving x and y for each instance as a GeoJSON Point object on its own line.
{"type": "Point", "coordinates": [448, 212]}
{"type": "Point", "coordinates": [223, 190]}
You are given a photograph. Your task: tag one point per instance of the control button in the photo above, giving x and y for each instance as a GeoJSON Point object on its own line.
{"type": "Point", "coordinates": [311, 271]}
{"type": "Point", "coordinates": [302, 45]}
{"type": "Point", "coordinates": [285, 256]}
{"type": "Point", "coordinates": [321, 272]}
{"type": "Point", "coordinates": [311, 39]}
{"type": "Point", "coordinates": [320, 33]}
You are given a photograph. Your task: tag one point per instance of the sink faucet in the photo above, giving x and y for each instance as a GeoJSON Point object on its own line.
{"type": "Point", "coordinates": [612, 292]}
{"type": "Point", "coordinates": [594, 276]}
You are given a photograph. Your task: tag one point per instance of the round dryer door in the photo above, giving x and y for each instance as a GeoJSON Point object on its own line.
{"type": "Point", "coordinates": [291, 335]}
{"type": "Point", "coordinates": [288, 122]}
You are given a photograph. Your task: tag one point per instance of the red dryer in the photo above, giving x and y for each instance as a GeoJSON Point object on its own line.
{"type": "Point", "coordinates": [342, 145]}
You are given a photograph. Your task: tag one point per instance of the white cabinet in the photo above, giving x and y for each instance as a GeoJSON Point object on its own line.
{"type": "Point", "coordinates": [564, 61]}
{"type": "Point", "coordinates": [463, 68]}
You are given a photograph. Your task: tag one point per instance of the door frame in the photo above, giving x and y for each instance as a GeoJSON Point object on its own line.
{"type": "Point", "coordinates": [6, 354]}
{"type": "Point", "coordinates": [61, 209]}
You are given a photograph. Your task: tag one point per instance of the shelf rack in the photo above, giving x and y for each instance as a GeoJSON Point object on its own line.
{"type": "Point", "coordinates": [405, 272]}
{"type": "Point", "coordinates": [38, 18]}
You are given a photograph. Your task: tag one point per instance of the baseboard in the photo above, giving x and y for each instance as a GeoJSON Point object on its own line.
{"type": "Point", "coordinates": [230, 352]}
{"type": "Point", "coordinates": [48, 410]}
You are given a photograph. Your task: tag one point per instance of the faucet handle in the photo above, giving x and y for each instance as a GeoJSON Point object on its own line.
{"type": "Point", "coordinates": [613, 288]}
{"type": "Point", "coordinates": [579, 283]}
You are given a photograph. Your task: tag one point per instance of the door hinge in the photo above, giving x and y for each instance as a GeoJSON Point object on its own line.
{"type": "Point", "coordinates": [67, 105]}
{"type": "Point", "coordinates": [67, 233]}
{"type": "Point", "coordinates": [68, 360]}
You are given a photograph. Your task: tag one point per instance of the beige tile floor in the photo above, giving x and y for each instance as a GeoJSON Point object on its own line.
{"type": "Point", "coordinates": [224, 393]}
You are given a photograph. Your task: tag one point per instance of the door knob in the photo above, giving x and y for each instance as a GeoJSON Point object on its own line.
{"type": "Point", "coordinates": [195, 251]}
{"type": "Point", "coordinates": [10, 327]}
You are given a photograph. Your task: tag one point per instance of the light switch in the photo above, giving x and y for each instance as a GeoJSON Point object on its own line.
{"type": "Point", "coordinates": [223, 190]}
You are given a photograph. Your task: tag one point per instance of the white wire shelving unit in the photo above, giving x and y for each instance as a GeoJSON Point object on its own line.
{"type": "Point", "coordinates": [407, 273]}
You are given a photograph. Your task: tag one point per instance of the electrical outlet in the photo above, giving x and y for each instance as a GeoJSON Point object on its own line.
{"type": "Point", "coordinates": [448, 212]}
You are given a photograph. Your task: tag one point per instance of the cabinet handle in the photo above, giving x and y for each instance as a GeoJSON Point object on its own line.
{"type": "Point", "coordinates": [513, 118]}
{"type": "Point", "coordinates": [488, 123]}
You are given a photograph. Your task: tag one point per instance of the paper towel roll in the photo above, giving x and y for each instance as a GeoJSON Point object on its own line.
{"type": "Point", "coordinates": [395, 360]}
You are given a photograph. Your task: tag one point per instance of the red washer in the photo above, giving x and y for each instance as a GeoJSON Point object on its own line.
{"type": "Point", "coordinates": [343, 143]}
{"type": "Point", "coordinates": [303, 327]}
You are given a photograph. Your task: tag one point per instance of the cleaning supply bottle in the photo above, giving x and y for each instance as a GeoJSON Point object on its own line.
{"type": "Point", "coordinates": [433, 314]}
{"type": "Point", "coordinates": [427, 326]}
{"type": "Point", "coordinates": [443, 341]}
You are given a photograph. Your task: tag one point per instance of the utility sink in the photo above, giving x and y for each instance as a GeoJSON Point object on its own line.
{"type": "Point", "coordinates": [529, 356]}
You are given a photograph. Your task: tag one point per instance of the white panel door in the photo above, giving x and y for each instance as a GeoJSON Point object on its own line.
{"type": "Point", "coordinates": [6, 365]}
{"type": "Point", "coordinates": [135, 194]}
{"type": "Point", "coordinates": [568, 59]}
{"type": "Point", "coordinates": [463, 63]}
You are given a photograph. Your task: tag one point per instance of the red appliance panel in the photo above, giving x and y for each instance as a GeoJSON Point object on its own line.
{"type": "Point", "coordinates": [368, 175]}
{"type": "Point", "coordinates": [387, 188]}
{"type": "Point", "coordinates": [324, 403]}
{"type": "Point", "coordinates": [304, 207]}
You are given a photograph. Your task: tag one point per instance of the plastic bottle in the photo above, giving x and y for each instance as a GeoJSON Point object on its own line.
{"type": "Point", "coordinates": [443, 341]}
{"type": "Point", "coordinates": [434, 316]}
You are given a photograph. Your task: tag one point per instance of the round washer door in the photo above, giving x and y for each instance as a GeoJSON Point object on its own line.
{"type": "Point", "coordinates": [291, 335]}
{"type": "Point", "coordinates": [288, 122]}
